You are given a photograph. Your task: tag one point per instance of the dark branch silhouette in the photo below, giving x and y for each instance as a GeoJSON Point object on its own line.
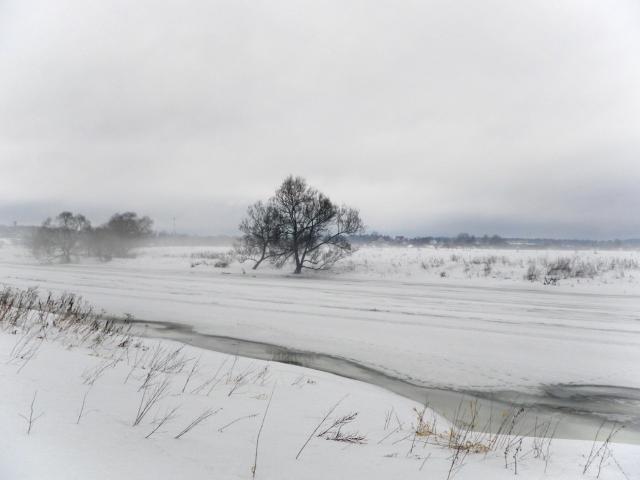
{"type": "Point", "coordinates": [299, 223]}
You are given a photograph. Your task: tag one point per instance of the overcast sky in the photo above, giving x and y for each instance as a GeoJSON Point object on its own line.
{"type": "Point", "coordinates": [432, 117]}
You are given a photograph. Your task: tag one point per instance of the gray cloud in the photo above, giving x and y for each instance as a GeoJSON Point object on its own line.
{"type": "Point", "coordinates": [432, 117]}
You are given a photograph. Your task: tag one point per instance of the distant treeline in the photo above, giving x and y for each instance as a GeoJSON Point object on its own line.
{"type": "Point", "coordinates": [68, 236]}
{"type": "Point", "coordinates": [26, 232]}
{"type": "Point", "coordinates": [494, 241]}
{"type": "Point", "coordinates": [20, 233]}
{"type": "Point", "coordinates": [461, 240]}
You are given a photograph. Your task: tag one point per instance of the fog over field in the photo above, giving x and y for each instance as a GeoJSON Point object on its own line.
{"type": "Point", "coordinates": [431, 117]}
{"type": "Point", "coordinates": [319, 239]}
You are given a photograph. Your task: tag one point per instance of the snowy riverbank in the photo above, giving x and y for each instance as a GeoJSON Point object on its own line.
{"type": "Point", "coordinates": [89, 384]}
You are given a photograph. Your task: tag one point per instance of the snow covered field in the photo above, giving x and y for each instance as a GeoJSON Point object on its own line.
{"type": "Point", "coordinates": [588, 270]}
{"type": "Point", "coordinates": [465, 319]}
{"type": "Point", "coordinates": [78, 403]}
{"type": "Point", "coordinates": [389, 309]}
{"type": "Point", "coordinates": [386, 311]}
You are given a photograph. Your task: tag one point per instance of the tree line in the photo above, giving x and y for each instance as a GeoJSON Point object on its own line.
{"type": "Point", "coordinates": [298, 225]}
{"type": "Point", "coordinates": [460, 240]}
{"type": "Point", "coordinates": [70, 235]}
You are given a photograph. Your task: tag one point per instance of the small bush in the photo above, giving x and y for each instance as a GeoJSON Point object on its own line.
{"type": "Point", "coordinates": [222, 259]}
{"type": "Point", "coordinates": [432, 262]}
{"type": "Point", "coordinates": [560, 268]}
{"type": "Point", "coordinates": [206, 255]}
{"type": "Point", "coordinates": [533, 273]}
{"type": "Point", "coordinates": [565, 267]}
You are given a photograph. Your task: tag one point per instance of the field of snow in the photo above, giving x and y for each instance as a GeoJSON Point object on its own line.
{"type": "Point", "coordinates": [75, 405]}
{"type": "Point", "coordinates": [590, 270]}
{"type": "Point", "coordinates": [464, 320]}
{"type": "Point", "coordinates": [384, 310]}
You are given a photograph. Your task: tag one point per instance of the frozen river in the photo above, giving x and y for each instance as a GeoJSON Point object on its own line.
{"type": "Point", "coordinates": [560, 346]}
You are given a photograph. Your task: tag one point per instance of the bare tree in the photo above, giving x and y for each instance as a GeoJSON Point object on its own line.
{"type": "Point", "coordinates": [117, 237]}
{"type": "Point", "coordinates": [60, 237]}
{"type": "Point", "coordinates": [70, 230]}
{"type": "Point", "coordinates": [303, 225]}
{"type": "Point", "coordinates": [68, 235]}
{"type": "Point", "coordinates": [128, 230]}
{"type": "Point", "coordinates": [260, 232]}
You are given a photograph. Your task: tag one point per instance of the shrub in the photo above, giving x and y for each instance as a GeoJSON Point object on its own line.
{"type": "Point", "coordinates": [533, 273]}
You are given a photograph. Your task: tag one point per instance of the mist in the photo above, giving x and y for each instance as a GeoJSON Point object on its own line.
{"type": "Point", "coordinates": [430, 117]}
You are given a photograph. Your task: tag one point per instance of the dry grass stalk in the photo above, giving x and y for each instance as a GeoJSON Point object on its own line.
{"type": "Point", "coordinates": [264, 417]}
{"type": "Point", "coordinates": [151, 395]}
{"type": "Point", "coordinates": [167, 417]}
{"type": "Point", "coordinates": [334, 432]}
{"type": "Point", "coordinates": [32, 417]}
{"type": "Point", "coordinates": [198, 420]}
{"type": "Point", "coordinates": [315, 430]}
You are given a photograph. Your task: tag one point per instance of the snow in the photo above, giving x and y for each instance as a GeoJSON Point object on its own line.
{"type": "Point", "coordinates": [103, 444]}
{"type": "Point", "coordinates": [479, 333]}
{"type": "Point", "coordinates": [468, 330]}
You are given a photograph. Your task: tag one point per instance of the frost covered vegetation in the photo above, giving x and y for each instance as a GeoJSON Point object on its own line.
{"type": "Point", "coordinates": [83, 397]}
{"type": "Point", "coordinates": [543, 267]}
{"type": "Point", "coordinates": [540, 266]}
{"type": "Point", "coordinates": [562, 268]}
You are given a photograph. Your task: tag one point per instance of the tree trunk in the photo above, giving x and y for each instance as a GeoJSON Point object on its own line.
{"type": "Point", "coordinates": [264, 254]}
{"type": "Point", "coordinates": [296, 257]}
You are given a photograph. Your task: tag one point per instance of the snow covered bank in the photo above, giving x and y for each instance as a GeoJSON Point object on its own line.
{"type": "Point", "coordinates": [605, 269]}
{"type": "Point", "coordinates": [599, 271]}
{"type": "Point", "coordinates": [475, 334]}
{"type": "Point", "coordinates": [84, 385]}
